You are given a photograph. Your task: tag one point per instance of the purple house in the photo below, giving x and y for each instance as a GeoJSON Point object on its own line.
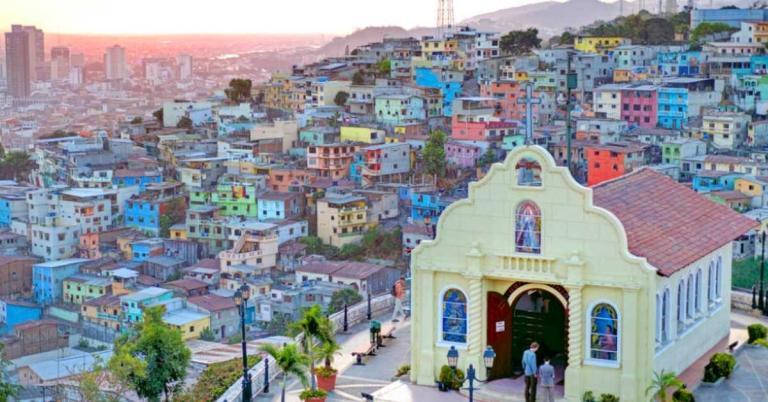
{"type": "Point", "coordinates": [462, 155]}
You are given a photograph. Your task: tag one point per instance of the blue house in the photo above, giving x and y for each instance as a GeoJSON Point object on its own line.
{"type": "Point", "coordinates": [448, 82]}
{"type": "Point", "coordinates": [144, 215]}
{"type": "Point", "coordinates": [12, 206]}
{"type": "Point", "coordinates": [429, 206]}
{"type": "Point", "coordinates": [678, 64]}
{"type": "Point", "coordinates": [713, 180]}
{"type": "Point", "coordinates": [142, 250]}
{"type": "Point", "coordinates": [673, 107]}
{"type": "Point", "coordinates": [47, 278]}
{"type": "Point", "coordinates": [128, 177]}
{"type": "Point", "coordinates": [356, 168]}
{"type": "Point", "coordinates": [14, 312]}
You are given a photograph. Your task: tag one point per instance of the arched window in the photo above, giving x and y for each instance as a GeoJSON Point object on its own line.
{"type": "Point", "coordinates": [681, 307]}
{"type": "Point", "coordinates": [604, 333]}
{"type": "Point", "coordinates": [528, 172]}
{"type": "Point", "coordinates": [528, 228]}
{"type": "Point", "coordinates": [454, 315]}
{"type": "Point", "coordinates": [711, 284]}
{"type": "Point", "coordinates": [719, 278]}
{"type": "Point", "coordinates": [697, 299]}
{"type": "Point", "coordinates": [665, 316]}
{"type": "Point", "coordinates": [659, 339]}
{"type": "Point", "coordinates": [691, 303]}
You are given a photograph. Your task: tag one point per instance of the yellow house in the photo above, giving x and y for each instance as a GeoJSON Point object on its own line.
{"type": "Point", "coordinates": [588, 273]}
{"type": "Point", "coordinates": [367, 135]}
{"type": "Point", "coordinates": [599, 44]}
{"type": "Point", "coordinates": [341, 219]}
{"type": "Point", "coordinates": [751, 186]}
{"type": "Point", "coordinates": [179, 232]}
{"type": "Point", "coordinates": [189, 322]}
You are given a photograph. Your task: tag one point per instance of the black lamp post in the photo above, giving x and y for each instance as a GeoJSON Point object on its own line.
{"type": "Point", "coordinates": [488, 357]}
{"type": "Point", "coordinates": [761, 292]}
{"type": "Point", "coordinates": [241, 299]}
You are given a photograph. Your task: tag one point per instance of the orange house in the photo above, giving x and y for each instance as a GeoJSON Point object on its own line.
{"type": "Point", "coordinates": [611, 160]}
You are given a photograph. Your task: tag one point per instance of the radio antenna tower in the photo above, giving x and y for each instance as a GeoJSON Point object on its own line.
{"type": "Point", "coordinates": [444, 17]}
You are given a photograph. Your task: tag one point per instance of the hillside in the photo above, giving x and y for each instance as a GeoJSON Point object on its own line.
{"type": "Point", "coordinates": [368, 35]}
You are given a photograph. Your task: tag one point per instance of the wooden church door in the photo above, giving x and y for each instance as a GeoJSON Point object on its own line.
{"type": "Point", "coordinates": [499, 334]}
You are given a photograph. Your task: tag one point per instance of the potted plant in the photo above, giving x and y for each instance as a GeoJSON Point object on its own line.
{"type": "Point", "coordinates": [683, 395]}
{"type": "Point", "coordinates": [661, 383]}
{"type": "Point", "coordinates": [720, 367]}
{"type": "Point", "coordinates": [291, 362]}
{"type": "Point", "coordinates": [313, 395]}
{"type": "Point", "coordinates": [756, 332]}
{"type": "Point", "coordinates": [326, 375]}
{"type": "Point", "coordinates": [450, 379]}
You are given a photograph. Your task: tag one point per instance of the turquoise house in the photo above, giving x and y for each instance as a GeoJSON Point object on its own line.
{"type": "Point", "coordinates": [47, 278]}
{"type": "Point", "coordinates": [133, 304]}
{"type": "Point", "coordinates": [450, 84]}
{"type": "Point", "coordinates": [15, 312]}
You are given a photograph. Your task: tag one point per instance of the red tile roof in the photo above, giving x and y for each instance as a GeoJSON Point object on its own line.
{"type": "Point", "coordinates": [212, 302]}
{"type": "Point", "coordinates": [666, 222]}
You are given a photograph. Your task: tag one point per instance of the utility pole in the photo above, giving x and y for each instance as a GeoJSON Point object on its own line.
{"type": "Point", "coordinates": [761, 299]}
{"type": "Point", "coordinates": [570, 83]}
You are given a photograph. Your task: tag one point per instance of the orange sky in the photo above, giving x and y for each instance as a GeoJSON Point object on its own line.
{"type": "Point", "coordinates": [229, 16]}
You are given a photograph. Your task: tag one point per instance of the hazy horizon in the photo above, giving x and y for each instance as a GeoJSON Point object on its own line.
{"type": "Point", "coordinates": [229, 17]}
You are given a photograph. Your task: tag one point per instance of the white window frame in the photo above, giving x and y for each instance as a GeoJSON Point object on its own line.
{"type": "Point", "coordinates": [588, 360]}
{"type": "Point", "coordinates": [719, 279]}
{"type": "Point", "coordinates": [440, 342]}
{"type": "Point", "coordinates": [681, 310]}
{"type": "Point", "coordinates": [691, 293]}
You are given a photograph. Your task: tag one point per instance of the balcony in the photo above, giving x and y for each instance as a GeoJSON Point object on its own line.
{"type": "Point", "coordinates": [105, 316]}
{"type": "Point", "coordinates": [524, 265]}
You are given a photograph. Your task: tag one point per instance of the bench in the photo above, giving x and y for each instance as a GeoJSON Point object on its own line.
{"type": "Point", "coordinates": [369, 350]}
{"type": "Point", "coordinates": [733, 346]}
{"type": "Point", "coordinates": [388, 333]}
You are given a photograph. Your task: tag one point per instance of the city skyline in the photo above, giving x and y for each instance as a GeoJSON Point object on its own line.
{"type": "Point", "coordinates": [158, 18]}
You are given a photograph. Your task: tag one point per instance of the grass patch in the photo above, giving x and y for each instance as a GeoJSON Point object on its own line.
{"type": "Point", "coordinates": [215, 380]}
{"type": "Point", "coordinates": [746, 273]}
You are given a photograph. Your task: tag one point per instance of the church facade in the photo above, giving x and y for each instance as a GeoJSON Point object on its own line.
{"type": "Point", "coordinates": [614, 282]}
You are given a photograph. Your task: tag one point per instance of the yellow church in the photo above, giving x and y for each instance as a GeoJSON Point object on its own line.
{"type": "Point", "coordinates": [614, 282]}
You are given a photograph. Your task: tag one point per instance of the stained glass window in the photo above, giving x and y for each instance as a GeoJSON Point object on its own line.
{"type": "Point", "coordinates": [528, 172]}
{"type": "Point", "coordinates": [454, 316]}
{"type": "Point", "coordinates": [604, 336]}
{"type": "Point", "coordinates": [528, 228]}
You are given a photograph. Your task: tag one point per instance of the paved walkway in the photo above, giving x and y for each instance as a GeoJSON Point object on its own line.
{"type": "Point", "coordinates": [749, 383]}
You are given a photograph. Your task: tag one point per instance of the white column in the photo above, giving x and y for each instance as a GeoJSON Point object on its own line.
{"type": "Point", "coordinates": [575, 344]}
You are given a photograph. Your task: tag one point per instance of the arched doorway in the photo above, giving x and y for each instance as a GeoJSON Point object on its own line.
{"type": "Point", "coordinates": [527, 313]}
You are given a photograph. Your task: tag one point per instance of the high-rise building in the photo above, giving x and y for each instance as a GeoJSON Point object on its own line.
{"type": "Point", "coordinates": [185, 66]}
{"type": "Point", "coordinates": [77, 60]}
{"type": "Point", "coordinates": [17, 58]}
{"type": "Point", "coordinates": [114, 63]}
{"type": "Point", "coordinates": [60, 63]}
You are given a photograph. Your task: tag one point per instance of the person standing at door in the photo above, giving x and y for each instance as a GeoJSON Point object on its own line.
{"type": "Point", "coordinates": [398, 291]}
{"type": "Point", "coordinates": [547, 378]}
{"type": "Point", "coordinates": [530, 370]}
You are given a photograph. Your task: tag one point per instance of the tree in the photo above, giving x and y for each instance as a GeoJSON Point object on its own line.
{"type": "Point", "coordinates": [350, 250]}
{"type": "Point", "coordinates": [153, 360]}
{"type": "Point", "coordinates": [341, 98]}
{"type": "Point", "coordinates": [207, 335]}
{"type": "Point", "coordinates": [656, 31]}
{"type": "Point", "coordinates": [384, 68]}
{"type": "Point", "coordinates": [291, 363]}
{"type": "Point", "coordinates": [709, 28]}
{"type": "Point", "coordinates": [316, 328]}
{"type": "Point", "coordinates": [520, 42]}
{"type": "Point", "coordinates": [185, 122]}
{"type": "Point", "coordinates": [358, 78]}
{"type": "Point", "coordinates": [434, 154]}
{"type": "Point", "coordinates": [488, 158]}
{"type": "Point", "coordinates": [16, 165]}
{"type": "Point", "coordinates": [566, 38]}
{"type": "Point", "coordinates": [661, 383]}
{"type": "Point", "coordinates": [137, 120]}
{"type": "Point", "coordinates": [239, 90]}
{"type": "Point", "coordinates": [7, 389]}
{"type": "Point", "coordinates": [339, 298]}
{"type": "Point", "coordinates": [279, 323]}
{"type": "Point", "coordinates": [165, 225]}
{"type": "Point", "coordinates": [158, 114]}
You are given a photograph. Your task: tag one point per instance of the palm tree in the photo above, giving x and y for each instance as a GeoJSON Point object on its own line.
{"type": "Point", "coordinates": [316, 328]}
{"type": "Point", "coordinates": [328, 351]}
{"type": "Point", "coordinates": [290, 361]}
{"type": "Point", "coordinates": [661, 383]}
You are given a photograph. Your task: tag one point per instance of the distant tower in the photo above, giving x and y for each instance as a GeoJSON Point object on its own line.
{"type": "Point", "coordinates": [444, 17]}
{"type": "Point", "coordinates": [621, 8]}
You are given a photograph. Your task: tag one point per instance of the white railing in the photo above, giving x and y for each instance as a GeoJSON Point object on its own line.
{"type": "Point", "coordinates": [355, 314]}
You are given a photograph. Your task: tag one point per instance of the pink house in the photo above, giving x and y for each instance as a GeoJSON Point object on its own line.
{"type": "Point", "coordinates": [462, 155]}
{"type": "Point", "coordinates": [639, 105]}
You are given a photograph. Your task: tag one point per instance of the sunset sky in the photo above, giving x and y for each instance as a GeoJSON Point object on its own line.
{"type": "Point", "coordinates": [230, 16]}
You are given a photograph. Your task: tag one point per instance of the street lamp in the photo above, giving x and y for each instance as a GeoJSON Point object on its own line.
{"type": "Point", "coordinates": [489, 355]}
{"type": "Point", "coordinates": [241, 300]}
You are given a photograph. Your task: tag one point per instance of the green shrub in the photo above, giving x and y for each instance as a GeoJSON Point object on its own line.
{"type": "Point", "coordinates": [312, 393]}
{"type": "Point", "coordinates": [757, 331]}
{"type": "Point", "coordinates": [720, 365]}
{"type": "Point", "coordinates": [762, 342]}
{"type": "Point", "coordinates": [589, 396]}
{"type": "Point", "coordinates": [452, 378]}
{"type": "Point", "coordinates": [683, 395]}
{"type": "Point", "coordinates": [215, 380]}
{"type": "Point", "coordinates": [403, 370]}
{"type": "Point", "coordinates": [609, 398]}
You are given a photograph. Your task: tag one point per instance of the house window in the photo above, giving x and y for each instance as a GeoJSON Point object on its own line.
{"type": "Point", "coordinates": [454, 315]}
{"type": "Point", "coordinates": [528, 228]}
{"type": "Point", "coordinates": [719, 278]}
{"type": "Point", "coordinates": [681, 301]}
{"type": "Point", "coordinates": [691, 303]}
{"type": "Point", "coordinates": [604, 333]}
{"type": "Point", "coordinates": [697, 297]}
